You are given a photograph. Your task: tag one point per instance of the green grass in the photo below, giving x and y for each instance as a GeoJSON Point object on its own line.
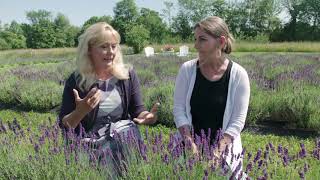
{"type": "Point", "coordinates": [29, 56]}
{"type": "Point", "coordinates": [249, 46]}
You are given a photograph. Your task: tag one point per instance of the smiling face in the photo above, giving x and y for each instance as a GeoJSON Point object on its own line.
{"type": "Point", "coordinates": [102, 55]}
{"type": "Point", "coordinates": [206, 45]}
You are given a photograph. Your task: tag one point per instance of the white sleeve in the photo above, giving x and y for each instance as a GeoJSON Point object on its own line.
{"type": "Point", "coordinates": [240, 105]}
{"type": "Point", "coordinates": [180, 96]}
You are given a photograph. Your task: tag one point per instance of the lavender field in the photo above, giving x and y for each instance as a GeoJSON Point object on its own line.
{"type": "Point", "coordinates": [285, 93]}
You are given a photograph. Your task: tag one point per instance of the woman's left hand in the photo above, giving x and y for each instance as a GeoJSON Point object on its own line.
{"type": "Point", "coordinates": [146, 117]}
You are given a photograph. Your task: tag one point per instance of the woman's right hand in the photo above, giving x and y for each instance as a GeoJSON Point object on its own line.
{"type": "Point", "coordinates": [85, 105]}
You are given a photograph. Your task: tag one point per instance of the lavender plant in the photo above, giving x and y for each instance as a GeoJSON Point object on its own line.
{"type": "Point", "coordinates": [46, 155]}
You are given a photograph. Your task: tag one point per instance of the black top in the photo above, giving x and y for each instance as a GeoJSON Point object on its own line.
{"type": "Point", "coordinates": [130, 97]}
{"type": "Point", "coordinates": [208, 102]}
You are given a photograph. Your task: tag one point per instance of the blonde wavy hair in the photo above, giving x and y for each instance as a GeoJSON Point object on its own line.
{"type": "Point", "coordinates": [95, 36]}
{"type": "Point", "coordinates": [216, 27]}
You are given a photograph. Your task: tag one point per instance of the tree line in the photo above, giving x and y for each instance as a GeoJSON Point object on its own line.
{"type": "Point", "coordinates": [247, 19]}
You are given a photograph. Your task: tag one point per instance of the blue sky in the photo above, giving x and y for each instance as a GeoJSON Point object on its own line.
{"type": "Point", "coordinates": [78, 11]}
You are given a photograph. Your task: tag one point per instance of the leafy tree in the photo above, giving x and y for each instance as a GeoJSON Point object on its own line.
{"type": "Point", "coordinates": [125, 16]}
{"type": "Point", "coordinates": [36, 16]}
{"type": "Point", "coordinates": [167, 12]}
{"type": "Point", "coordinates": [3, 44]}
{"type": "Point", "coordinates": [303, 23]}
{"type": "Point", "coordinates": [65, 32]}
{"type": "Point", "coordinates": [45, 32]}
{"type": "Point", "coordinates": [61, 21]}
{"type": "Point", "coordinates": [137, 37]}
{"type": "Point", "coordinates": [14, 41]}
{"type": "Point", "coordinates": [15, 28]}
{"type": "Point", "coordinates": [261, 17]}
{"type": "Point", "coordinates": [311, 16]}
{"type": "Point", "coordinates": [181, 26]}
{"type": "Point", "coordinates": [92, 20]}
{"type": "Point", "coordinates": [152, 21]}
{"type": "Point", "coordinates": [294, 8]}
{"type": "Point", "coordinates": [236, 18]}
{"type": "Point", "coordinates": [312, 11]}
{"type": "Point", "coordinates": [95, 19]}
{"type": "Point", "coordinates": [40, 35]}
{"type": "Point", "coordinates": [72, 35]}
{"type": "Point", "coordinates": [13, 36]}
{"type": "Point", "coordinates": [200, 9]}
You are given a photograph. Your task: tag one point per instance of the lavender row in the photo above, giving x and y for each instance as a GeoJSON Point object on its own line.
{"type": "Point", "coordinates": [157, 156]}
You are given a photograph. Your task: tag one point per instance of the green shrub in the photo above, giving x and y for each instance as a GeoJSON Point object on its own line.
{"type": "Point", "coordinates": [137, 37]}
{"type": "Point", "coordinates": [8, 91]}
{"type": "Point", "coordinates": [40, 96]}
{"type": "Point", "coordinates": [257, 110]}
{"type": "Point", "coordinates": [162, 93]}
{"type": "Point", "coordinates": [146, 76]}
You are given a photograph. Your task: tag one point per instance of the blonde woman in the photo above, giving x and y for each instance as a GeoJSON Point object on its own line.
{"type": "Point", "coordinates": [103, 94]}
{"type": "Point", "coordinates": [213, 92]}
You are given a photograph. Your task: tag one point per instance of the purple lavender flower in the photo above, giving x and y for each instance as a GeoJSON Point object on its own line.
{"type": "Point", "coordinates": [285, 151]}
{"type": "Point", "coordinates": [271, 147]}
{"type": "Point", "coordinates": [242, 152]}
{"type": "Point", "coordinates": [206, 172]}
{"type": "Point", "coordinates": [285, 160]}
{"type": "Point", "coordinates": [260, 163]}
{"type": "Point", "coordinates": [190, 164]}
{"type": "Point", "coordinates": [249, 167]}
{"type": "Point", "coordinates": [213, 168]}
{"type": "Point", "coordinates": [206, 148]}
{"type": "Point", "coordinates": [301, 174]}
{"type": "Point", "coordinates": [209, 136]}
{"type": "Point", "coordinates": [205, 175]}
{"type": "Point", "coordinates": [235, 172]}
{"type": "Point", "coordinates": [154, 149]}
{"type": "Point", "coordinates": [2, 127]}
{"type": "Point", "coordinates": [165, 159]}
{"type": "Point", "coordinates": [302, 152]}
{"type": "Point", "coordinates": [258, 156]}
{"type": "Point", "coordinates": [197, 140]}
{"type": "Point", "coordinates": [315, 153]}
{"type": "Point", "coordinates": [36, 147]}
{"type": "Point", "coordinates": [280, 150]}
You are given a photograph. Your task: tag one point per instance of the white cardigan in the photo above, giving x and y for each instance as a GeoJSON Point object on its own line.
{"type": "Point", "coordinates": [236, 106]}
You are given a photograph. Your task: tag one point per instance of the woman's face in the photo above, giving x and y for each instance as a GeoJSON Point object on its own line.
{"type": "Point", "coordinates": [102, 56]}
{"type": "Point", "coordinates": [206, 45]}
